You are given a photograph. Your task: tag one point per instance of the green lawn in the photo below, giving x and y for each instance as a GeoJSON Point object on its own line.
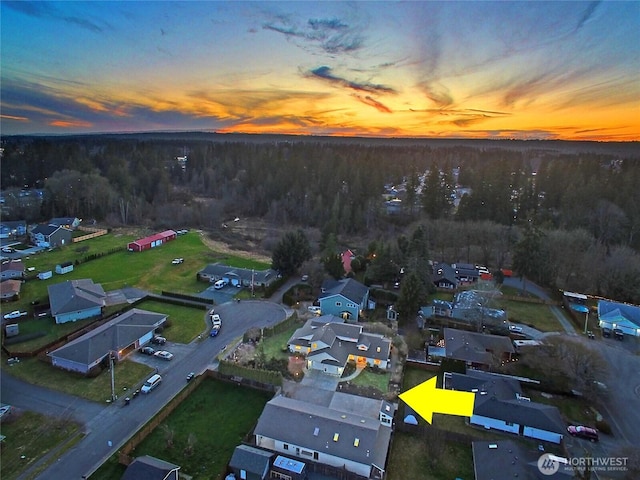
{"type": "Point", "coordinates": [367, 378]}
{"type": "Point", "coordinates": [32, 435]}
{"type": "Point", "coordinates": [274, 347]}
{"type": "Point", "coordinates": [216, 415]}
{"type": "Point", "coordinates": [413, 457]}
{"type": "Point", "coordinates": [186, 322]}
{"type": "Point", "coordinates": [49, 328]}
{"type": "Point", "coordinates": [537, 315]}
{"type": "Point", "coordinates": [127, 375]}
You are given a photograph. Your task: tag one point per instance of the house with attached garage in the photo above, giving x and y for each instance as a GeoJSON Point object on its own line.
{"type": "Point", "coordinates": [619, 315]}
{"type": "Point", "coordinates": [50, 236]}
{"type": "Point", "coordinates": [346, 298]}
{"type": "Point", "coordinates": [238, 277]}
{"type": "Point", "coordinates": [118, 337]}
{"type": "Point", "coordinates": [500, 405]}
{"type": "Point", "coordinates": [71, 223]}
{"type": "Point", "coordinates": [328, 344]}
{"type": "Point", "coordinates": [351, 433]}
{"type": "Point", "coordinates": [76, 299]}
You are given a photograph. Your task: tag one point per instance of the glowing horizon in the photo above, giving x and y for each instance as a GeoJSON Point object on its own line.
{"type": "Point", "coordinates": [528, 70]}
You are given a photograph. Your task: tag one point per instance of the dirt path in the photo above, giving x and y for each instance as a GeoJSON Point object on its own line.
{"type": "Point", "coordinates": [224, 248]}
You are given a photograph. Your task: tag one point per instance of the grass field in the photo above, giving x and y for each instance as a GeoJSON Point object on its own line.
{"type": "Point", "coordinates": [412, 458]}
{"type": "Point", "coordinates": [32, 435]}
{"type": "Point", "coordinates": [367, 378]}
{"type": "Point", "coordinates": [186, 323]}
{"type": "Point", "coordinates": [537, 315]}
{"type": "Point", "coordinates": [150, 270]}
{"type": "Point", "coordinates": [216, 416]}
{"type": "Point", "coordinates": [273, 346]}
{"type": "Point", "coordinates": [127, 375]}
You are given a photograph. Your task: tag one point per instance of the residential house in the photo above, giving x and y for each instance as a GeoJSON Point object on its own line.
{"type": "Point", "coordinates": [118, 337]}
{"type": "Point", "coordinates": [346, 298]}
{"type": "Point", "coordinates": [150, 468]}
{"type": "Point", "coordinates": [240, 277]}
{"type": "Point", "coordinates": [493, 460]}
{"type": "Point", "coordinates": [9, 229]}
{"type": "Point", "coordinates": [466, 273]}
{"type": "Point", "coordinates": [619, 315]}
{"type": "Point", "coordinates": [251, 463]}
{"type": "Point", "coordinates": [444, 276]}
{"type": "Point", "coordinates": [10, 290]}
{"type": "Point", "coordinates": [70, 223]}
{"type": "Point", "coordinates": [346, 257]}
{"type": "Point", "coordinates": [477, 350]}
{"type": "Point", "coordinates": [347, 434]}
{"type": "Point", "coordinates": [329, 344]}
{"type": "Point", "coordinates": [470, 307]}
{"type": "Point", "coordinates": [500, 405]}
{"type": "Point", "coordinates": [152, 241]}
{"type": "Point", "coordinates": [50, 236]}
{"type": "Point", "coordinates": [11, 269]}
{"type": "Point", "coordinates": [75, 300]}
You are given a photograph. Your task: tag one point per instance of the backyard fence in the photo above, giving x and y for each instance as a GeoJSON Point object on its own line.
{"type": "Point", "coordinates": [95, 233]}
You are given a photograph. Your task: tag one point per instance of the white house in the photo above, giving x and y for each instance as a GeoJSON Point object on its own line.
{"type": "Point", "coordinates": [329, 344]}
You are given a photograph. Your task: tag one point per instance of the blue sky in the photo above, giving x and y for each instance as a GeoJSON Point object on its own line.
{"type": "Point", "coordinates": [568, 70]}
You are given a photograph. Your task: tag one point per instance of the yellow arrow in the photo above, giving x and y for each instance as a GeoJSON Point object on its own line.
{"type": "Point", "coordinates": [425, 399]}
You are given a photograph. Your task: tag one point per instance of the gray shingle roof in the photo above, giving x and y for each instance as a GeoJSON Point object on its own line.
{"type": "Point", "coordinates": [114, 335]}
{"type": "Point", "coordinates": [75, 295]}
{"type": "Point", "coordinates": [148, 468]}
{"type": "Point", "coordinates": [475, 347]}
{"type": "Point", "coordinates": [348, 288]}
{"type": "Point", "coordinates": [251, 459]}
{"type": "Point", "coordinates": [315, 427]}
{"type": "Point", "coordinates": [244, 274]}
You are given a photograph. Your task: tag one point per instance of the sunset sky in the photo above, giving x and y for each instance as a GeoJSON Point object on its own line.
{"type": "Point", "coordinates": [565, 70]}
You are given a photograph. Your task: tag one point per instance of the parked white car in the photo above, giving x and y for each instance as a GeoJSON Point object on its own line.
{"type": "Point", "coordinates": [163, 354]}
{"type": "Point", "coordinates": [15, 314]}
{"type": "Point", "coordinates": [314, 309]}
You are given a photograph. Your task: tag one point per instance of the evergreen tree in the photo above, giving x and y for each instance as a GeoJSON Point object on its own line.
{"type": "Point", "coordinates": [290, 253]}
{"type": "Point", "coordinates": [412, 296]}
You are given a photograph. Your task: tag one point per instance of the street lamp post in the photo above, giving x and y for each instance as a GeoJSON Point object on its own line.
{"type": "Point", "coordinates": [113, 380]}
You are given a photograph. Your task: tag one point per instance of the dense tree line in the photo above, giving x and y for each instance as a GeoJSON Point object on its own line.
{"type": "Point", "coordinates": [582, 205]}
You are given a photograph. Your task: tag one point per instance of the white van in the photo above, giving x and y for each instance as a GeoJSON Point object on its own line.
{"type": "Point", "coordinates": [219, 284]}
{"type": "Point", "coordinates": [152, 383]}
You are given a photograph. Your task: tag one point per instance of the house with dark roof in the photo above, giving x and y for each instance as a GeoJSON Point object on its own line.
{"type": "Point", "coordinates": [352, 438]}
{"type": "Point", "coordinates": [75, 300]}
{"type": "Point", "coordinates": [619, 315]}
{"type": "Point", "coordinates": [10, 289]}
{"type": "Point", "coordinates": [11, 269]}
{"type": "Point", "coordinates": [70, 223]}
{"type": "Point", "coordinates": [466, 273]}
{"type": "Point", "coordinates": [124, 334]}
{"type": "Point", "coordinates": [477, 350]}
{"type": "Point", "coordinates": [329, 344]}
{"type": "Point", "coordinates": [50, 236]}
{"type": "Point", "coordinates": [500, 459]}
{"type": "Point", "coordinates": [237, 276]}
{"type": "Point", "coordinates": [12, 229]}
{"type": "Point", "coordinates": [444, 276]}
{"type": "Point", "coordinates": [346, 298]}
{"type": "Point", "coordinates": [251, 463]}
{"type": "Point", "coordinates": [500, 405]}
{"type": "Point", "coordinates": [150, 468]}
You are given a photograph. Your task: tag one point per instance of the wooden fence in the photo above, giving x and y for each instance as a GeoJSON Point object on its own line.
{"type": "Point", "coordinates": [95, 233]}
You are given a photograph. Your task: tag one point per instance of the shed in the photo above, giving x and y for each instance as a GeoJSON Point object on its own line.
{"type": "Point", "coordinates": [65, 267]}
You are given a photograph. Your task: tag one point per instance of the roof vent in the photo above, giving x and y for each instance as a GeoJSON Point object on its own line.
{"type": "Point", "coordinates": [316, 431]}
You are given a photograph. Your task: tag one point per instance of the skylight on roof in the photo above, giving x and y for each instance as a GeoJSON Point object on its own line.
{"type": "Point", "coordinates": [336, 436]}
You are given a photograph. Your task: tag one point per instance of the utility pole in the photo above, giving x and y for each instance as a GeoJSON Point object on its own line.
{"type": "Point", "coordinates": [113, 380]}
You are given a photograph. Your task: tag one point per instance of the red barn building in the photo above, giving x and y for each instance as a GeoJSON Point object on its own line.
{"type": "Point", "coordinates": [152, 241]}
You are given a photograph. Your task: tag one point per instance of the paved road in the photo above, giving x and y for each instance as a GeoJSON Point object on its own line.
{"type": "Point", "coordinates": [116, 423]}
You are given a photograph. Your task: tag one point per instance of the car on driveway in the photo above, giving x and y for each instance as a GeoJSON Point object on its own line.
{"type": "Point", "coordinates": [163, 354]}
{"type": "Point", "coordinates": [515, 328]}
{"type": "Point", "coordinates": [583, 432]}
{"type": "Point", "coordinates": [15, 314]}
{"type": "Point", "coordinates": [314, 309]}
{"type": "Point", "coordinates": [147, 351]}
{"type": "Point", "coordinates": [158, 340]}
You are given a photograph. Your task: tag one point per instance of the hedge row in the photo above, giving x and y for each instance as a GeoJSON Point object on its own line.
{"type": "Point", "coordinates": [262, 376]}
